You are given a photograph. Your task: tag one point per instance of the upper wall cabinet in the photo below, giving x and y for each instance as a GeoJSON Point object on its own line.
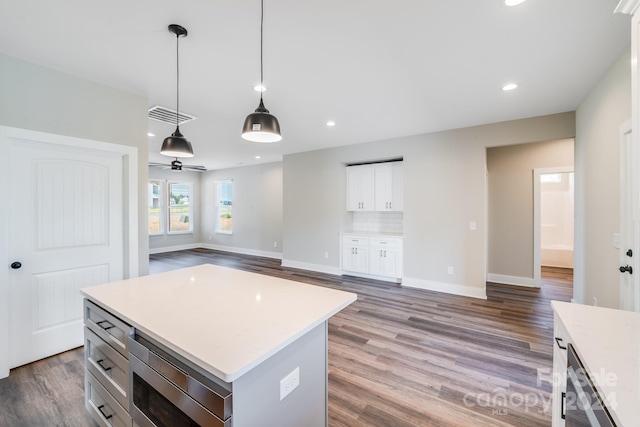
{"type": "Point", "coordinates": [375, 187]}
{"type": "Point", "coordinates": [360, 188]}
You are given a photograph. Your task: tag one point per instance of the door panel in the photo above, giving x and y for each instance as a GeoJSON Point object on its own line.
{"type": "Point", "coordinates": [66, 230]}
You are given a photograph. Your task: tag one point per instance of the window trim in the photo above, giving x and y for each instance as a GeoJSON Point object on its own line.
{"type": "Point", "coordinates": [217, 229]}
{"type": "Point", "coordinates": [161, 197]}
{"type": "Point", "coordinates": [167, 215]}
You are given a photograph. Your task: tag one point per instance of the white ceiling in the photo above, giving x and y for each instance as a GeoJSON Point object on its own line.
{"type": "Point", "coordinates": [379, 69]}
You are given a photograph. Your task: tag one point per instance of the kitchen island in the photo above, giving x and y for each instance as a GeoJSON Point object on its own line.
{"type": "Point", "coordinates": [261, 340]}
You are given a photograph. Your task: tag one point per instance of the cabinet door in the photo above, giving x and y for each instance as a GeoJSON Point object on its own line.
{"type": "Point", "coordinates": [385, 262]}
{"type": "Point", "coordinates": [355, 258]}
{"type": "Point", "coordinates": [389, 187]}
{"type": "Point", "coordinates": [360, 188]}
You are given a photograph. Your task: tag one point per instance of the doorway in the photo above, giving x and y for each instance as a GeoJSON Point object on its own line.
{"type": "Point", "coordinates": [553, 219]}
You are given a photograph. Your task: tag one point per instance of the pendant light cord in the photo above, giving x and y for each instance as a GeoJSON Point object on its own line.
{"type": "Point", "coordinates": [261, 37]}
{"type": "Point", "coordinates": [177, 79]}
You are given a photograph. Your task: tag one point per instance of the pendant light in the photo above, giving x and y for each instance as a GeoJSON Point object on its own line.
{"type": "Point", "coordinates": [261, 126]}
{"type": "Point", "coordinates": [177, 145]}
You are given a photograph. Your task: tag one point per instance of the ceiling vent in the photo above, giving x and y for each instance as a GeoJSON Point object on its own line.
{"type": "Point", "coordinates": [167, 115]}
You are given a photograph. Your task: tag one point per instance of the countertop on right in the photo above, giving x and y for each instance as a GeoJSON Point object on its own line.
{"type": "Point", "coordinates": [608, 344]}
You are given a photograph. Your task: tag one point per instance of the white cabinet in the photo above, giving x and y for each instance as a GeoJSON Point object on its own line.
{"type": "Point", "coordinates": [389, 187]}
{"type": "Point", "coordinates": [360, 188]}
{"type": "Point", "coordinates": [375, 187]}
{"type": "Point", "coordinates": [559, 378]}
{"type": "Point", "coordinates": [377, 257]}
{"type": "Point", "coordinates": [385, 257]}
{"type": "Point", "coordinates": [355, 254]}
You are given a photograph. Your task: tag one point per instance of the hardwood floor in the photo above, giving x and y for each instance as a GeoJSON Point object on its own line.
{"type": "Point", "coordinates": [397, 356]}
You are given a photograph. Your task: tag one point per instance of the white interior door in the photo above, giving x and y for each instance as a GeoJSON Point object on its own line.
{"type": "Point", "coordinates": [66, 230]}
{"type": "Point", "coordinates": [629, 222]}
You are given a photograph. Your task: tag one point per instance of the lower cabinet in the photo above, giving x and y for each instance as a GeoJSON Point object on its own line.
{"type": "Point", "coordinates": [106, 366]}
{"type": "Point", "coordinates": [380, 257]}
{"type": "Point", "coordinates": [355, 254]}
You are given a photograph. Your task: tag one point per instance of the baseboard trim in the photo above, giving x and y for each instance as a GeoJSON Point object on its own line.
{"type": "Point", "coordinates": [243, 251]}
{"type": "Point", "coordinates": [311, 267]}
{"type": "Point", "coordinates": [448, 288]}
{"type": "Point", "coordinates": [371, 276]}
{"type": "Point", "coordinates": [173, 248]}
{"type": "Point", "coordinates": [528, 282]}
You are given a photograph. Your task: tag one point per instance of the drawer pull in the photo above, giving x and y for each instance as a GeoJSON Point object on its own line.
{"type": "Point", "coordinates": [558, 341]}
{"type": "Point", "coordinates": [562, 413]}
{"type": "Point", "coordinates": [106, 417]}
{"type": "Point", "coordinates": [101, 324]}
{"type": "Point", "coordinates": [99, 362]}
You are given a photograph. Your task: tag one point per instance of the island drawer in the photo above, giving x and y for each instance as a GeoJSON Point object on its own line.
{"type": "Point", "coordinates": [101, 405]}
{"type": "Point", "coordinates": [108, 366]}
{"type": "Point", "coordinates": [112, 330]}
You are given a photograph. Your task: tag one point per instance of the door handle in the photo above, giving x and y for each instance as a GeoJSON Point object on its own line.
{"type": "Point", "coordinates": [626, 268]}
{"type": "Point", "coordinates": [16, 265]}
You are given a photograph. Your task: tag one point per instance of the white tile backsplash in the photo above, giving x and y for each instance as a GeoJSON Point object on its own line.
{"type": "Point", "coordinates": [378, 222]}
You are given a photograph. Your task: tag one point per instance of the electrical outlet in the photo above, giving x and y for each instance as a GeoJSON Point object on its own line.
{"type": "Point", "coordinates": [289, 383]}
{"type": "Point", "coordinates": [326, 255]}
{"type": "Point", "coordinates": [209, 236]}
{"type": "Point", "coordinates": [473, 225]}
{"type": "Point", "coordinates": [450, 270]}
{"type": "Point", "coordinates": [275, 244]}
{"type": "Point", "coordinates": [595, 301]}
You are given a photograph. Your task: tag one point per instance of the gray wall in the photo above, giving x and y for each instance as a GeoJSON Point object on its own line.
{"type": "Point", "coordinates": [41, 99]}
{"type": "Point", "coordinates": [444, 189]}
{"type": "Point", "coordinates": [172, 241]}
{"type": "Point", "coordinates": [510, 196]}
{"type": "Point", "coordinates": [598, 121]}
{"type": "Point", "coordinates": [257, 210]}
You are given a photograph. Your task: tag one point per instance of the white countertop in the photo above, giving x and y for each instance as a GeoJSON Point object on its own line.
{"type": "Point", "coordinates": [227, 321]}
{"type": "Point", "coordinates": [608, 344]}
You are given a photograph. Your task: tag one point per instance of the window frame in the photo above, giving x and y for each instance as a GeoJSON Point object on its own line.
{"type": "Point", "coordinates": [161, 219]}
{"type": "Point", "coordinates": [218, 210]}
{"type": "Point", "coordinates": [167, 215]}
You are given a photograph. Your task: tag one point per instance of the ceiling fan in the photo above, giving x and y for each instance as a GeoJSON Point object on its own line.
{"type": "Point", "coordinates": [177, 166]}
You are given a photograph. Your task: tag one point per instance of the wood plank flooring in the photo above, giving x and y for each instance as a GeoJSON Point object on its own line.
{"type": "Point", "coordinates": [397, 356]}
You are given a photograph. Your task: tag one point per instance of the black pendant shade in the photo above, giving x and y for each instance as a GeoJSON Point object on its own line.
{"type": "Point", "coordinates": [261, 126]}
{"type": "Point", "coordinates": [177, 145]}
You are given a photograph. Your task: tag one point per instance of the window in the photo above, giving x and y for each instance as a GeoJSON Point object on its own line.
{"type": "Point", "coordinates": [179, 207]}
{"type": "Point", "coordinates": [153, 206]}
{"type": "Point", "coordinates": [224, 207]}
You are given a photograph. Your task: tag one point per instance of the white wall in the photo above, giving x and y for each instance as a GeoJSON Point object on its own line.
{"type": "Point", "coordinates": [444, 189]}
{"type": "Point", "coordinates": [597, 180]}
{"type": "Point", "coordinates": [257, 210]}
{"type": "Point", "coordinates": [36, 98]}
{"type": "Point", "coordinates": [165, 242]}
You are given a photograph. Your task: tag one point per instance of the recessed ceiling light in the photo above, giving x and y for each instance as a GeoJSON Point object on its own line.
{"type": "Point", "coordinates": [151, 134]}
{"type": "Point", "coordinates": [258, 157]}
{"type": "Point", "coordinates": [259, 88]}
{"type": "Point", "coordinates": [513, 2]}
{"type": "Point", "coordinates": [510, 86]}
{"type": "Point", "coordinates": [331, 123]}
